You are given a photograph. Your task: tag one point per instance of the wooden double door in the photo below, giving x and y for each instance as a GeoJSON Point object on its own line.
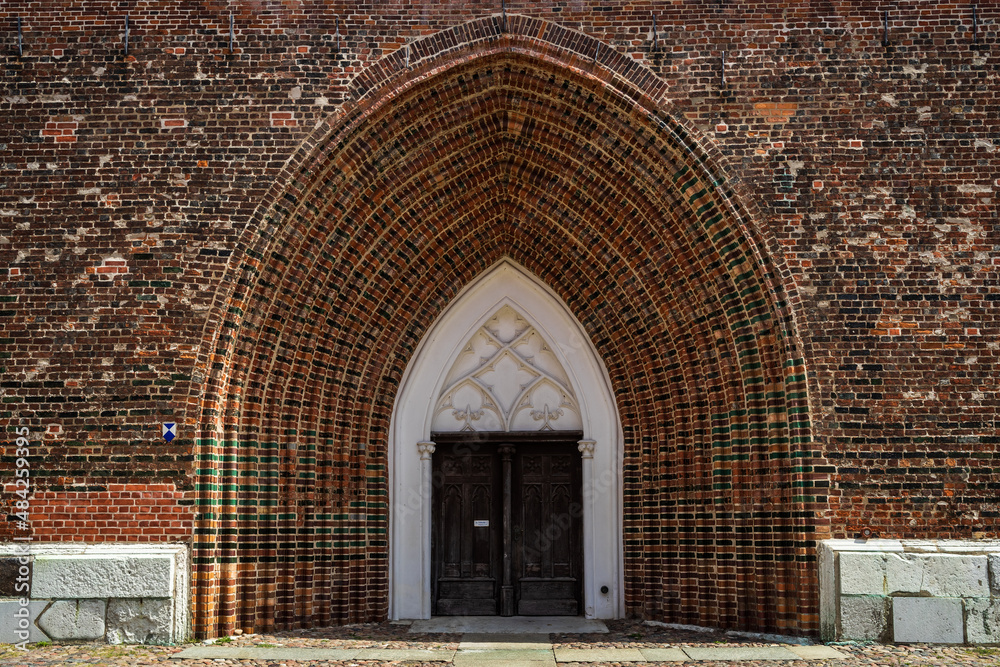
{"type": "Point", "coordinates": [507, 528]}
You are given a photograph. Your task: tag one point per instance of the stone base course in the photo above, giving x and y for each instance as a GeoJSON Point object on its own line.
{"type": "Point", "coordinates": [9, 621]}
{"type": "Point", "coordinates": [139, 621]}
{"type": "Point", "coordinates": [103, 576]}
{"type": "Point", "coordinates": [119, 593]}
{"type": "Point", "coordinates": [74, 619]}
{"type": "Point", "coordinates": [941, 591]}
{"type": "Point", "coordinates": [864, 618]}
{"type": "Point", "coordinates": [933, 620]}
{"type": "Point", "coordinates": [994, 566]}
{"type": "Point", "coordinates": [982, 622]}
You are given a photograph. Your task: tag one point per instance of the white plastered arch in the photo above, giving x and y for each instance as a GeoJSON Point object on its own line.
{"type": "Point", "coordinates": [506, 283]}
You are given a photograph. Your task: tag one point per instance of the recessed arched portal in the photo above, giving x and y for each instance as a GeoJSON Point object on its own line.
{"type": "Point", "coordinates": [504, 143]}
{"type": "Point", "coordinates": [588, 404]}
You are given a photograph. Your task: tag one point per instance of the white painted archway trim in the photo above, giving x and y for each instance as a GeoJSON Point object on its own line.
{"type": "Point", "coordinates": [506, 283]}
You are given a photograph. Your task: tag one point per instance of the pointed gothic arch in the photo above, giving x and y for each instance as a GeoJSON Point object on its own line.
{"type": "Point", "coordinates": [537, 144]}
{"type": "Point", "coordinates": [508, 286]}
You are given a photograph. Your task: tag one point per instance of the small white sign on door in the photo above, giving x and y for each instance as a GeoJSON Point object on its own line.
{"type": "Point", "coordinates": [481, 523]}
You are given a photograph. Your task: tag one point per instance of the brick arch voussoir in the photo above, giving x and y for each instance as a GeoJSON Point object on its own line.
{"type": "Point", "coordinates": [382, 82]}
{"type": "Point", "coordinates": [440, 248]}
{"type": "Point", "coordinates": [639, 256]}
{"type": "Point", "coordinates": [296, 278]}
{"type": "Point", "coordinates": [623, 72]}
{"type": "Point", "coordinates": [523, 39]}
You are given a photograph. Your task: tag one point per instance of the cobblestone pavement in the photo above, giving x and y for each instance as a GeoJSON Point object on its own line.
{"type": "Point", "coordinates": [623, 634]}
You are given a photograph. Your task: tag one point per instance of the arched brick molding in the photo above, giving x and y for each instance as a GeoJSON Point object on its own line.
{"type": "Point", "coordinates": [505, 145]}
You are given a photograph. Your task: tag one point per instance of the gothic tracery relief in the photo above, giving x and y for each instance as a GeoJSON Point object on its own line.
{"type": "Point", "coordinates": [507, 379]}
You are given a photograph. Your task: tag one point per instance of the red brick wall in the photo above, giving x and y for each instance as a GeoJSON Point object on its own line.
{"type": "Point", "coordinates": [252, 243]}
{"type": "Point", "coordinates": [115, 513]}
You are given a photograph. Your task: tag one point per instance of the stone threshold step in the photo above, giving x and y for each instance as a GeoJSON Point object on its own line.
{"type": "Point", "coordinates": [508, 625]}
{"type": "Point", "coordinates": [536, 656]}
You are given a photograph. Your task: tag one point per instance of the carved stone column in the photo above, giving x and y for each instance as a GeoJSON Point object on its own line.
{"type": "Point", "coordinates": [507, 587]}
{"type": "Point", "coordinates": [426, 450]}
{"type": "Point", "coordinates": [586, 448]}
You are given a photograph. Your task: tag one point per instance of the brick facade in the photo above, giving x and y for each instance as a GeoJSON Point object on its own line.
{"type": "Point", "coordinates": [775, 220]}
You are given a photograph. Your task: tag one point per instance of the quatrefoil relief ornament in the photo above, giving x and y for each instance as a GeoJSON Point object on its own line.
{"type": "Point", "coordinates": [507, 379]}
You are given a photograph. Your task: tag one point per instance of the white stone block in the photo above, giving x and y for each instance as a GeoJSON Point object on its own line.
{"type": "Point", "coordinates": [74, 619]}
{"type": "Point", "coordinates": [982, 621]}
{"type": "Point", "coordinates": [827, 592]}
{"type": "Point", "coordinates": [11, 622]}
{"type": "Point", "coordinates": [140, 621]}
{"type": "Point", "coordinates": [863, 618]}
{"type": "Point", "coordinates": [876, 546]}
{"type": "Point", "coordinates": [904, 573]}
{"type": "Point", "coordinates": [995, 574]}
{"type": "Point", "coordinates": [967, 546]}
{"type": "Point", "coordinates": [103, 576]}
{"type": "Point", "coordinates": [955, 576]}
{"type": "Point", "coordinates": [862, 573]}
{"type": "Point", "coordinates": [927, 620]}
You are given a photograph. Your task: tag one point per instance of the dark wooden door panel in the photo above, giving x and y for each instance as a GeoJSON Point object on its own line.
{"type": "Point", "coordinates": [465, 552]}
{"type": "Point", "coordinates": [456, 588]}
{"type": "Point", "coordinates": [548, 597]}
{"type": "Point", "coordinates": [540, 572]}
{"type": "Point", "coordinates": [548, 559]}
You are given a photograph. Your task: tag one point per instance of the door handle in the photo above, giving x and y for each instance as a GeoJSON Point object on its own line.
{"type": "Point", "coordinates": [517, 533]}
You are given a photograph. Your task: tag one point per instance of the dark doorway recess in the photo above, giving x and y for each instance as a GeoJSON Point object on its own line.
{"type": "Point", "coordinates": [507, 524]}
